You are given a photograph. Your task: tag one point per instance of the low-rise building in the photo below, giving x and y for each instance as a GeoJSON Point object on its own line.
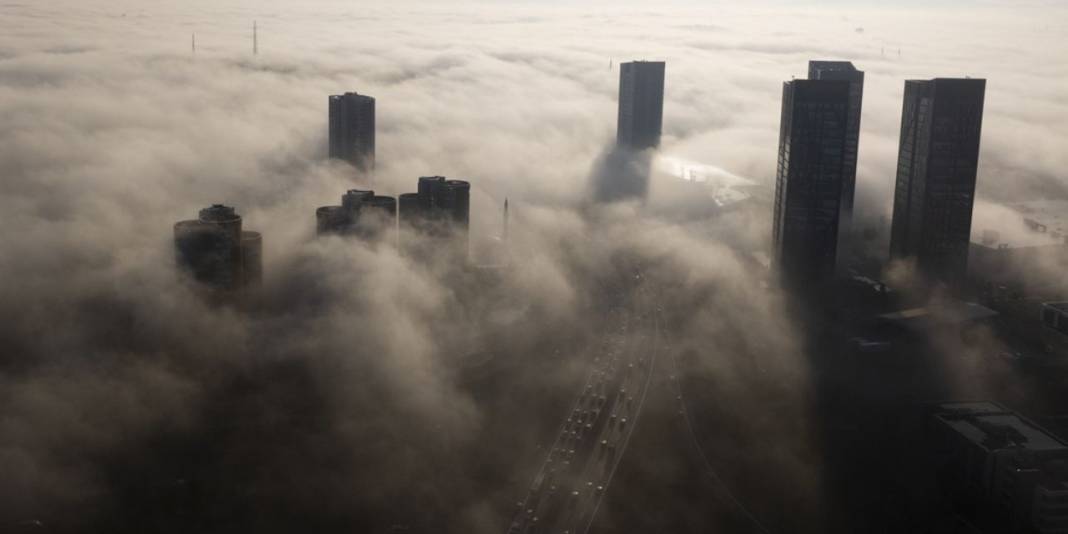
{"type": "Point", "coordinates": [1055, 316]}
{"type": "Point", "coordinates": [995, 460]}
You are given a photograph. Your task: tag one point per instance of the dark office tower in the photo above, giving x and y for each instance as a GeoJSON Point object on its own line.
{"type": "Point", "coordinates": [808, 184]}
{"type": "Point", "coordinates": [251, 258]}
{"type": "Point", "coordinates": [352, 129]}
{"type": "Point", "coordinates": [641, 104]}
{"type": "Point", "coordinates": [361, 213]}
{"type": "Point", "coordinates": [409, 202]}
{"type": "Point", "coordinates": [354, 199]}
{"type": "Point", "coordinates": [845, 71]}
{"type": "Point", "coordinates": [331, 220]}
{"type": "Point", "coordinates": [427, 187]}
{"type": "Point", "coordinates": [938, 158]}
{"type": "Point", "coordinates": [444, 204]}
{"type": "Point", "coordinates": [453, 198]}
{"type": "Point", "coordinates": [216, 252]}
{"type": "Point", "coordinates": [377, 217]}
{"type": "Point", "coordinates": [441, 209]}
{"type": "Point", "coordinates": [410, 211]}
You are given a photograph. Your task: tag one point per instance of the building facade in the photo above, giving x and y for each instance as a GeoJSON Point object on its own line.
{"type": "Point", "coordinates": [352, 130]}
{"type": "Point", "coordinates": [362, 213]}
{"type": "Point", "coordinates": [440, 210]}
{"type": "Point", "coordinates": [215, 251]}
{"type": "Point", "coordinates": [641, 105]}
{"type": "Point", "coordinates": [938, 160]}
{"type": "Point", "coordinates": [808, 185]}
{"type": "Point", "coordinates": [845, 71]}
{"type": "Point", "coordinates": [1055, 316]}
{"type": "Point", "coordinates": [1001, 464]}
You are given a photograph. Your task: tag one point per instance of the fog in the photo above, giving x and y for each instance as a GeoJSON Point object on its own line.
{"type": "Point", "coordinates": [342, 398]}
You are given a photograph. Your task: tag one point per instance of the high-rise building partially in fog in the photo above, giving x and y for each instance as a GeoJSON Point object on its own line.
{"type": "Point", "coordinates": [641, 104]}
{"type": "Point", "coordinates": [938, 160]}
{"type": "Point", "coordinates": [441, 208]}
{"type": "Point", "coordinates": [352, 129]}
{"type": "Point", "coordinates": [362, 213]}
{"type": "Point", "coordinates": [845, 71]}
{"type": "Point", "coordinates": [216, 252]}
{"type": "Point", "coordinates": [813, 139]}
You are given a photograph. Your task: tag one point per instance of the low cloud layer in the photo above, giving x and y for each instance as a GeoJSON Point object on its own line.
{"type": "Point", "coordinates": [356, 387]}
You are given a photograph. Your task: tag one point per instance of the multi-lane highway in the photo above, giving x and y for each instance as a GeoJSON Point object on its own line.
{"type": "Point", "coordinates": [566, 492]}
{"type": "Point", "coordinates": [633, 359]}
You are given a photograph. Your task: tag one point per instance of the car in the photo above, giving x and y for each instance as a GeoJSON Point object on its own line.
{"type": "Point", "coordinates": [1011, 356]}
{"type": "Point", "coordinates": [870, 346]}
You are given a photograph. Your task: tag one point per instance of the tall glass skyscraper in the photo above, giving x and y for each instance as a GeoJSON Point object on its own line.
{"type": "Point", "coordinates": [844, 70]}
{"type": "Point", "coordinates": [641, 104]}
{"type": "Point", "coordinates": [938, 160]}
{"type": "Point", "coordinates": [813, 142]}
{"type": "Point", "coordinates": [352, 129]}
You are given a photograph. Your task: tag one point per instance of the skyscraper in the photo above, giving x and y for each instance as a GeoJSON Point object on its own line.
{"type": "Point", "coordinates": [641, 104]}
{"type": "Point", "coordinates": [938, 159]}
{"type": "Point", "coordinates": [352, 129]}
{"type": "Point", "coordinates": [844, 70]}
{"type": "Point", "coordinates": [362, 213]}
{"type": "Point", "coordinates": [808, 186]}
{"type": "Point", "coordinates": [441, 209]}
{"type": "Point", "coordinates": [215, 251]}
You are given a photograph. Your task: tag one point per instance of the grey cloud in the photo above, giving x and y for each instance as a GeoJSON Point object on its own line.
{"type": "Point", "coordinates": [353, 385]}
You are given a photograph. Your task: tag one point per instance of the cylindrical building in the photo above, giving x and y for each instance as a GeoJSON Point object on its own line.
{"type": "Point", "coordinates": [385, 204]}
{"type": "Point", "coordinates": [409, 204]}
{"type": "Point", "coordinates": [354, 198]}
{"type": "Point", "coordinates": [378, 217]}
{"type": "Point", "coordinates": [210, 248]}
{"type": "Point", "coordinates": [458, 201]}
{"type": "Point", "coordinates": [410, 210]}
{"type": "Point", "coordinates": [332, 220]}
{"type": "Point", "coordinates": [193, 241]}
{"type": "Point", "coordinates": [428, 186]}
{"type": "Point", "coordinates": [441, 209]}
{"type": "Point", "coordinates": [225, 217]}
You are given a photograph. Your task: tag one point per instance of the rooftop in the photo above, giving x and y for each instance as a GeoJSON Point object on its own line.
{"type": "Point", "coordinates": [995, 428]}
{"type": "Point", "coordinates": [351, 95]}
{"type": "Point", "coordinates": [820, 64]}
{"type": "Point", "coordinates": [218, 213]}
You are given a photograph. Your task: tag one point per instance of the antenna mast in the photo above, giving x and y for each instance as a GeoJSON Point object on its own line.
{"type": "Point", "coordinates": [194, 43]}
{"type": "Point", "coordinates": [255, 40]}
{"type": "Point", "coordinates": [504, 233]}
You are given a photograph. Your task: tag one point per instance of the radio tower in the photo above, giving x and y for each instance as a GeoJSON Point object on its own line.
{"type": "Point", "coordinates": [255, 41]}
{"type": "Point", "coordinates": [504, 233]}
{"type": "Point", "coordinates": [194, 43]}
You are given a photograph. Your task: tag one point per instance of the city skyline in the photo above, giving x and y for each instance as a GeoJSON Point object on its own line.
{"type": "Point", "coordinates": [525, 354]}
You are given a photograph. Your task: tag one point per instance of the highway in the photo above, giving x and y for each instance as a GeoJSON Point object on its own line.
{"type": "Point", "coordinates": [567, 490]}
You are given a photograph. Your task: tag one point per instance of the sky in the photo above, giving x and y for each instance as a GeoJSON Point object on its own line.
{"type": "Point", "coordinates": [114, 129]}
